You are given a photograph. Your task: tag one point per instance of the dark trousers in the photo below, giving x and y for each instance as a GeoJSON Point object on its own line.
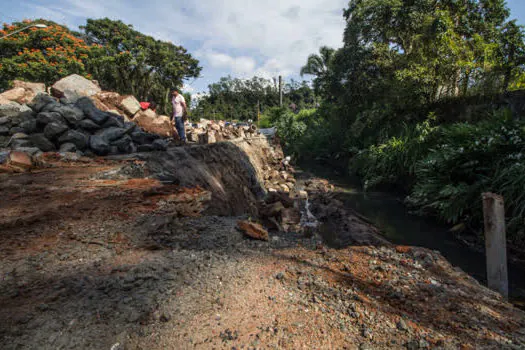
{"type": "Point", "coordinates": [179, 125]}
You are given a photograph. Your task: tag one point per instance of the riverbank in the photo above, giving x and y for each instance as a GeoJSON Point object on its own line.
{"type": "Point", "coordinates": [114, 260]}
{"type": "Point", "coordinates": [388, 212]}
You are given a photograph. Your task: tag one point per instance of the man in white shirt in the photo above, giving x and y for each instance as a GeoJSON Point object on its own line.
{"type": "Point", "coordinates": [179, 108]}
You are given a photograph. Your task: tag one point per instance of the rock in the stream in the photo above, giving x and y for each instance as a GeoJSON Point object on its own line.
{"type": "Point", "coordinates": [253, 230]}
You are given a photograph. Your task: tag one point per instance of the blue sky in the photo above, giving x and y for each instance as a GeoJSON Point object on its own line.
{"type": "Point", "coordinates": [241, 38]}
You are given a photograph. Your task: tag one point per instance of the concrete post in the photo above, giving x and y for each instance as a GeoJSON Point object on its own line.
{"type": "Point", "coordinates": [495, 243]}
{"type": "Point", "coordinates": [280, 91]}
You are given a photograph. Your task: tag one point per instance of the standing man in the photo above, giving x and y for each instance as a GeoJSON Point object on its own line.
{"type": "Point", "coordinates": [179, 109]}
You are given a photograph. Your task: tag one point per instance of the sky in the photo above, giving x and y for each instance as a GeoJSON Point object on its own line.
{"type": "Point", "coordinates": [241, 38]}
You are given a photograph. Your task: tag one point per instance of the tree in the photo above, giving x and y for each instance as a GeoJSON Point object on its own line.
{"type": "Point", "coordinates": [318, 66]}
{"type": "Point", "coordinates": [238, 99]}
{"type": "Point", "coordinates": [42, 54]}
{"type": "Point", "coordinates": [400, 56]}
{"type": "Point", "coordinates": [137, 64]}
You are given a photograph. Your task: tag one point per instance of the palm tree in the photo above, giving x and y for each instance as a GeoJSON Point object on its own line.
{"type": "Point", "coordinates": [318, 66]}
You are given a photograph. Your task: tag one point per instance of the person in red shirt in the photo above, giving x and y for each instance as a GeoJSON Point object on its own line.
{"type": "Point", "coordinates": [150, 105]}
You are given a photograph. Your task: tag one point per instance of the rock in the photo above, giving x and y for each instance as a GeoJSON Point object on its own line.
{"type": "Point", "coordinates": [72, 115]}
{"type": "Point", "coordinates": [53, 130]}
{"type": "Point", "coordinates": [10, 110]}
{"type": "Point", "coordinates": [20, 136]}
{"type": "Point", "coordinates": [253, 230]}
{"type": "Point", "coordinates": [124, 144]}
{"type": "Point", "coordinates": [29, 126]}
{"type": "Point", "coordinates": [16, 95]}
{"type": "Point", "coordinates": [32, 151]}
{"type": "Point", "coordinates": [31, 89]}
{"type": "Point", "coordinates": [4, 120]}
{"type": "Point", "coordinates": [40, 101]}
{"type": "Point", "coordinates": [303, 195]}
{"type": "Point", "coordinates": [99, 145]}
{"type": "Point", "coordinates": [16, 130]}
{"type": "Point", "coordinates": [20, 143]}
{"type": "Point", "coordinates": [88, 124]}
{"type": "Point", "coordinates": [40, 141]}
{"type": "Point", "coordinates": [87, 106]}
{"type": "Point", "coordinates": [4, 131]}
{"type": "Point", "coordinates": [25, 108]}
{"type": "Point", "coordinates": [130, 105]}
{"type": "Point", "coordinates": [141, 137]}
{"type": "Point", "coordinates": [145, 148]}
{"type": "Point", "coordinates": [19, 161]}
{"type": "Point", "coordinates": [74, 87]}
{"type": "Point", "coordinates": [274, 209]}
{"type": "Point", "coordinates": [111, 134]}
{"type": "Point", "coordinates": [160, 145]}
{"type": "Point", "coordinates": [113, 121]}
{"type": "Point", "coordinates": [290, 216]}
{"type": "Point", "coordinates": [75, 137]}
{"type": "Point", "coordinates": [401, 325]}
{"type": "Point", "coordinates": [279, 276]}
{"type": "Point", "coordinates": [44, 118]}
{"type": "Point", "coordinates": [149, 121]}
{"type": "Point", "coordinates": [50, 107]}
{"type": "Point", "coordinates": [67, 147]}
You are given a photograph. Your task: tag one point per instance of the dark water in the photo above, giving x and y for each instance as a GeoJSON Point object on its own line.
{"type": "Point", "coordinates": [389, 214]}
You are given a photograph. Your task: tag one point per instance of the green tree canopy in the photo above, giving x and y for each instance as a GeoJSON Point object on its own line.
{"type": "Point", "coordinates": [42, 54]}
{"type": "Point", "coordinates": [137, 64]}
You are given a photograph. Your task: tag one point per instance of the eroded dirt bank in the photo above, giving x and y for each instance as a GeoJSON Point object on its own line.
{"type": "Point", "coordinates": [114, 254]}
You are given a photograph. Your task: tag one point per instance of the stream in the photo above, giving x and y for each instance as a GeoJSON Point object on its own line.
{"type": "Point", "coordinates": [388, 213]}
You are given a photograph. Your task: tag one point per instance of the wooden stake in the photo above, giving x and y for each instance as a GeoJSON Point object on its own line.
{"type": "Point", "coordinates": [495, 243]}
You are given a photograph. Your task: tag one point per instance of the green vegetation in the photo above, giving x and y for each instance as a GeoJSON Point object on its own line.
{"type": "Point", "coordinates": [238, 99]}
{"type": "Point", "coordinates": [388, 98]}
{"type": "Point", "coordinates": [120, 58]}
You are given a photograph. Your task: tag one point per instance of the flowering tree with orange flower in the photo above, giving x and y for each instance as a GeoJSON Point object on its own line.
{"type": "Point", "coordinates": [42, 54]}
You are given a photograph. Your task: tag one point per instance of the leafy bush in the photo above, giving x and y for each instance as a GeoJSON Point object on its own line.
{"type": "Point", "coordinates": [468, 160]}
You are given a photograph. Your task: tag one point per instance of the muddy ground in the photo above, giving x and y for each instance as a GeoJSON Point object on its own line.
{"type": "Point", "coordinates": [94, 257]}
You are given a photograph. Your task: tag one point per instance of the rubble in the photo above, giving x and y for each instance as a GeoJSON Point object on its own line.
{"type": "Point", "coordinates": [253, 230]}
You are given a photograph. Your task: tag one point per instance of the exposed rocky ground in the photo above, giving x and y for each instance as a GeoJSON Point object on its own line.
{"type": "Point", "coordinates": [143, 252]}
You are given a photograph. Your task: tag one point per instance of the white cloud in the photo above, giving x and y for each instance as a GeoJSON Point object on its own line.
{"type": "Point", "coordinates": [237, 37]}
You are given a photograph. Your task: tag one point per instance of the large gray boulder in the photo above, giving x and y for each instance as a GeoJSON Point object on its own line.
{"type": "Point", "coordinates": [41, 142]}
{"type": "Point", "coordinates": [130, 105]}
{"type": "Point", "coordinates": [53, 130]}
{"type": "Point", "coordinates": [91, 111]}
{"type": "Point", "coordinates": [88, 124]}
{"type": "Point", "coordinates": [67, 147]}
{"type": "Point", "coordinates": [10, 109]}
{"type": "Point", "coordinates": [73, 87]}
{"type": "Point", "coordinates": [72, 115]}
{"type": "Point", "coordinates": [29, 126]}
{"type": "Point", "coordinates": [40, 101]}
{"type": "Point", "coordinates": [4, 130]}
{"type": "Point", "coordinates": [75, 137]}
{"type": "Point", "coordinates": [98, 145]}
{"type": "Point", "coordinates": [45, 118]}
{"type": "Point", "coordinates": [113, 133]}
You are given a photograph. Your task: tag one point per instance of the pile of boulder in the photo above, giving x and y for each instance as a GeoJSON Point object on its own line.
{"type": "Point", "coordinates": [208, 131]}
{"type": "Point", "coordinates": [75, 118]}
